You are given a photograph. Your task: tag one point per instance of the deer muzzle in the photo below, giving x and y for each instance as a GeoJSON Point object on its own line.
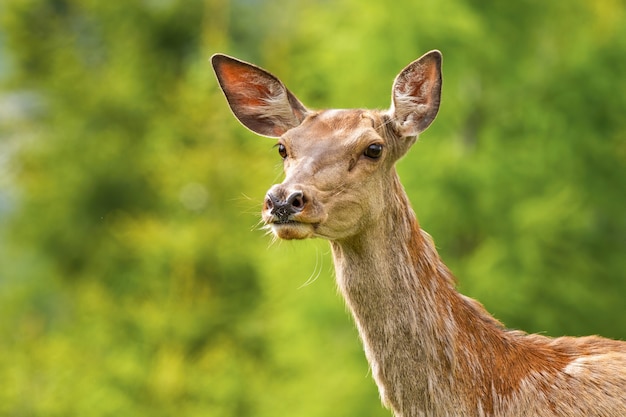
{"type": "Point", "coordinates": [283, 208]}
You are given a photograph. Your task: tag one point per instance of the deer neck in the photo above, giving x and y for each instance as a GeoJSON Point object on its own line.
{"type": "Point", "coordinates": [408, 313]}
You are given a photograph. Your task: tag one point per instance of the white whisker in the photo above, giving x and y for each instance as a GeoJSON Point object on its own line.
{"type": "Point", "coordinates": [317, 270]}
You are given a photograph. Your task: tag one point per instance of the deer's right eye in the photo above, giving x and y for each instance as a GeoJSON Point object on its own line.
{"type": "Point", "coordinates": [282, 150]}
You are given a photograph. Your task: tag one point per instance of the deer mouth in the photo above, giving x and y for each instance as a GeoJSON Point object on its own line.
{"type": "Point", "coordinates": [284, 221]}
{"type": "Point", "coordinates": [293, 230]}
{"type": "Point", "coordinates": [294, 217]}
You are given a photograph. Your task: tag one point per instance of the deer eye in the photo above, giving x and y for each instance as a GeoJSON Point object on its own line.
{"type": "Point", "coordinates": [374, 151]}
{"type": "Point", "coordinates": [282, 150]}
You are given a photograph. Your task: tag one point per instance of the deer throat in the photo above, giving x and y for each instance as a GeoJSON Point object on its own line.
{"type": "Point", "coordinates": [393, 285]}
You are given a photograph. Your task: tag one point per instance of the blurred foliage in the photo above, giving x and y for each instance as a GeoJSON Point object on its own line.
{"type": "Point", "coordinates": [134, 279]}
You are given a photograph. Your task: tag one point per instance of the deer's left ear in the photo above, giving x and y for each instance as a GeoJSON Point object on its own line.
{"type": "Point", "coordinates": [416, 93]}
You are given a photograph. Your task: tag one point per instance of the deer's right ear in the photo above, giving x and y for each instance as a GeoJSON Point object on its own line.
{"type": "Point", "coordinates": [257, 98]}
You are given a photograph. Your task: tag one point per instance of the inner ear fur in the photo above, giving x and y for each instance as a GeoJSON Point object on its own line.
{"type": "Point", "coordinates": [258, 99]}
{"type": "Point", "coordinates": [416, 94]}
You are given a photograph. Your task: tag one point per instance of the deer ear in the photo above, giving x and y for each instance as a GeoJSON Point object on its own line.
{"type": "Point", "coordinates": [257, 98]}
{"type": "Point", "coordinates": [416, 93]}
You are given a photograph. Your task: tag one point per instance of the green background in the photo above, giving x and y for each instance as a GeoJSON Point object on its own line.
{"type": "Point", "coordinates": [134, 277]}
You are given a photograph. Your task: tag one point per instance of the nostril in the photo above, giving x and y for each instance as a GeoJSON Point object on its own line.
{"type": "Point", "coordinates": [269, 202]}
{"type": "Point", "coordinates": [297, 200]}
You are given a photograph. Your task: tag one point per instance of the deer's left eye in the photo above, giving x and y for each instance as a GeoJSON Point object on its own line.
{"type": "Point", "coordinates": [374, 151]}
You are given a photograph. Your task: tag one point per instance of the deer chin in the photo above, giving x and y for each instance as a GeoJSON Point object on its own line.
{"type": "Point", "coordinates": [293, 230]}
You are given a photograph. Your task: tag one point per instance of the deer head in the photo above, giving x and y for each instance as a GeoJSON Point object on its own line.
{"type": "Point", "coordinates": [339, 164]}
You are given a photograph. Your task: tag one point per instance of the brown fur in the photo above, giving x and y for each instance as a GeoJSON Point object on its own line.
{"type": "Point", "coordinates": [433, 351]}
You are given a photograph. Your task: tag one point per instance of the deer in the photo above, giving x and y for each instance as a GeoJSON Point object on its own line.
{"type": "Point", "coordinates": [431, 350]}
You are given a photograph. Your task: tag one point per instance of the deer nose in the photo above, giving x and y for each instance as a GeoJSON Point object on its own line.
{"type": "Point", "coordinates": [284, 208]}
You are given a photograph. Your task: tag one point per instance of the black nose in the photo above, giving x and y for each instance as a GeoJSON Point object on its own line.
{"type": "Point", "coordinates": [284, 208]}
